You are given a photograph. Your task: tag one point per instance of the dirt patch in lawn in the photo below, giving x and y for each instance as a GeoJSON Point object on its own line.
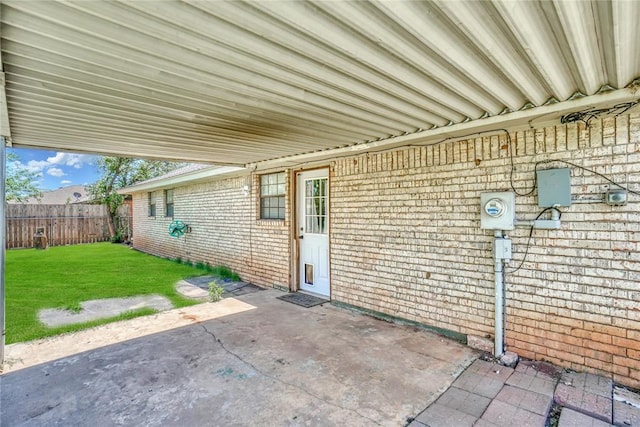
{"type": "Point", "coordinates": [102, 309]}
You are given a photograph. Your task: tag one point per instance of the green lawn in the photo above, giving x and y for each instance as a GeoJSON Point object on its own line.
{"type": "Point", "coordinates": [63, 277]}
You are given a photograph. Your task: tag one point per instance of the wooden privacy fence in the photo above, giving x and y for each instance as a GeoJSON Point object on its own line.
{"type": "Point", "coordinates": [69, 224]}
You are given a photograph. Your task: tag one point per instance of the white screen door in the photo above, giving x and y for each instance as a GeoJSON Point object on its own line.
{"type": "Point", "coordinates": [313, 231]}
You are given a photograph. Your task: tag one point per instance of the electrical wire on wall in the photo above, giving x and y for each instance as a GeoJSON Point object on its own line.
{"type": "Point", "coordinates": [535, 170]}
{"type": "Point", "coordinates": [586, 116]}
{"type": "Point", "coordinates": [528, 245]}
{"type": "Point", "coordinates": [535, 178]}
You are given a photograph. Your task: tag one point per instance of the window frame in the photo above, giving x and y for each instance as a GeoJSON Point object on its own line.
{"type": "Point", "coordinates": [169, 206]}
{"type": "Point", "coordinates": [273, 196]}
{"type": "Point", "coordinates": [152, 204]}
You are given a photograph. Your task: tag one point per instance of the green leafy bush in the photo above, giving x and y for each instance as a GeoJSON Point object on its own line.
{"type": "Point", "coordinates": [215, 291]}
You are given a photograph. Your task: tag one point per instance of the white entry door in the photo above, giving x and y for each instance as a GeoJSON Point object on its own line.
{"type": "Point", "coordinates": [313, 230]}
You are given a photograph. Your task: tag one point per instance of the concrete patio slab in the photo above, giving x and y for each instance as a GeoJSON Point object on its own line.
{"type": "Point", "coordinates": [26, 354]}
{"type": "Point", "coordinates": [272, 364]}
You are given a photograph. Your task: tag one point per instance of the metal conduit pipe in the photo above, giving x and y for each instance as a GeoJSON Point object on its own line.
{"type": "Point", "coordinates": [499, 298]}
{"type": "Point", "coordinates": [3, 243]}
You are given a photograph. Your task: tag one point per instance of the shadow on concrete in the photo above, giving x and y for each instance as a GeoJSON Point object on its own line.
{"type": "Point", "coordinates": [277, 364]}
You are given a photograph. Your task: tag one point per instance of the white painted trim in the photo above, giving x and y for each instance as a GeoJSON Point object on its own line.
{"type": "Point", "coordinates": [212, 173]}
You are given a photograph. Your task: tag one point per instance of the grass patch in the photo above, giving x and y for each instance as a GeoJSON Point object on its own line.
{"type": "Point", "coordinates": [219, 271]}
{"type": "Point", "coordinates": [74, 307]}
{"type": "Point", "coordinates": [224, 273]}
{"type": "Point", "coordinates": [64, 276]}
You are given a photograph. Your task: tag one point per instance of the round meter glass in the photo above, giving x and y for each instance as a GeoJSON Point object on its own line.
{"type": "Point", "coordinates": [495, 208]}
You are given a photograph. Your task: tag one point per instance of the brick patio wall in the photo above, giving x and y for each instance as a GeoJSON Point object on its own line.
{"type": "Point", "coordinates": [406, 241]}
{"type": "Point", "coordinates": [225, 230]}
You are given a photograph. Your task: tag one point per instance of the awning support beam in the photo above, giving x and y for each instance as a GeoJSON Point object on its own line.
{"type": "Point", "coordinates": [3, 242]}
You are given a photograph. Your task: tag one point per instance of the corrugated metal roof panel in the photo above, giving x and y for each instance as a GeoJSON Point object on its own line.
{"type": "Point", "coordinates": [242, 82]}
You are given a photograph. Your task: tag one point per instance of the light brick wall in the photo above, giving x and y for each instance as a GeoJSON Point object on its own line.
{"type": "Point", "coordinates": [225, 230]}
{"type": "Point", "coordinates": [406, 241]}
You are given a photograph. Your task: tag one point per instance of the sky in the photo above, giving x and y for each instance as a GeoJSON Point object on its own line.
{"type": "Point", "coordinates": [58, 169]}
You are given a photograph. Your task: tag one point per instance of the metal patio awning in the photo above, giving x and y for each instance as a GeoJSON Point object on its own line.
{"type": "Point", "coordinates": [242, 82]}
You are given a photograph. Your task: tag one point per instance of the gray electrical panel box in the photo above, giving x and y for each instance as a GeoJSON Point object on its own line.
{"type": "Point", "coordinates": [554, 187]}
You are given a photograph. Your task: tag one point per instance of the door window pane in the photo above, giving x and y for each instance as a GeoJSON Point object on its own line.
{"type": "Point", "coordinates": [316, 206]}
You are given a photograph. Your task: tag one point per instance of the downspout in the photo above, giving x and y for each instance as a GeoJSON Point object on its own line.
{"type": "Point", "coordinates": [3, 243]}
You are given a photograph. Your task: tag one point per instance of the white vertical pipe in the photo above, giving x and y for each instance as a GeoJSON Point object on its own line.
{"type": "Point", "coordinates": [3, 243]}
{"type": "Point", "coordinates": [499, 299]}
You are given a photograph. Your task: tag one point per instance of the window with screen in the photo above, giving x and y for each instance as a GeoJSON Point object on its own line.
{"type": "Point", "coordinates": [168, 203]}
{"type": "Point", "coordinates": [152, 204]}
{"type": "Point", "coordinates": [272, 196]}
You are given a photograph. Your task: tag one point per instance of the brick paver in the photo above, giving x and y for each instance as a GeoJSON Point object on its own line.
{"type": "Point", "coordinates": [571, 418]}
{"type": "Point", "coordinates": [490, 369]}
{"type": "Point", "coordinates": [544, 386]}
{"type": "Point", "coordinates": [491, 395]}
{"type": "Point", "coordinates": [595, 384]}
{"type": "Point", "coordinates": [464, 401]}
{"type": "Point", "coordinates": [584, 401]}
{"type": "Point", "coordinates": [438, 415]}
{"type": "Point", "coordinates": [483, 378]}
{"type": "Point", "coordinates": [525, 399]}
{"type": "Point", "coordinates": [505, 415]}
{"type": "Point", "coordinates": [538, 377]}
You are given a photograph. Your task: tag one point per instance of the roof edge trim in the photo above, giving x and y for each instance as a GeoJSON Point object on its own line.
{"type": "Point", "coordinates": [213, 172]}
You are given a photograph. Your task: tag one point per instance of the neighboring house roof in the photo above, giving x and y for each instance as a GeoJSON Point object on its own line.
{"type": "Point", "coordinates": [71, 194]}
{"type": "Point", "coordinates": [191, 173]}
{"type": "Point", "coordinates": [245, 82]}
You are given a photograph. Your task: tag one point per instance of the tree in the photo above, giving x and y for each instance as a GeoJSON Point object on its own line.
{"type": "Point", "coordinates": [120, 172]}
{"type": "Point", "coordinates": [21, 183]}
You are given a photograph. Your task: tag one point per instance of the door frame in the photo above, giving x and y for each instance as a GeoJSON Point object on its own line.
{"type": "Point", "coordinates": [295, 241]}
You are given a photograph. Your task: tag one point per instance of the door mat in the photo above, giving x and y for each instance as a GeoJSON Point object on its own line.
{"type": "Point", "coordinates": [302, 299]}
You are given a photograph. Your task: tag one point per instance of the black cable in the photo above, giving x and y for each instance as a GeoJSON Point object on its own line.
{"type": "Point", "coordinates": [513, 168]}
{"type": "Point", "coordinates": [586, 116]}
{"type": "Point", "coordinates": [526, 251]}
{"type": "Point", "coordinates": [535, 170]}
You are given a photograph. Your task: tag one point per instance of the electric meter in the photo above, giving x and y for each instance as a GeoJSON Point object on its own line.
{"type": "Point", "coordinates": [495, 207]}
{"type": "Point", "coordinates": [498, 210]}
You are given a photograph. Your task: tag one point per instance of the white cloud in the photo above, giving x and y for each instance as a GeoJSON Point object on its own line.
{"type": "Point", "coordinates": [53, 165]}
{"type": "Point", "coordinates": [57, 172]}
{"type": "Point", "coordinates": [71, 159]}
{"type": "Point", "coordinates": [36, 165]}
{"type": "Point", "coordinates": [65, 182]}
